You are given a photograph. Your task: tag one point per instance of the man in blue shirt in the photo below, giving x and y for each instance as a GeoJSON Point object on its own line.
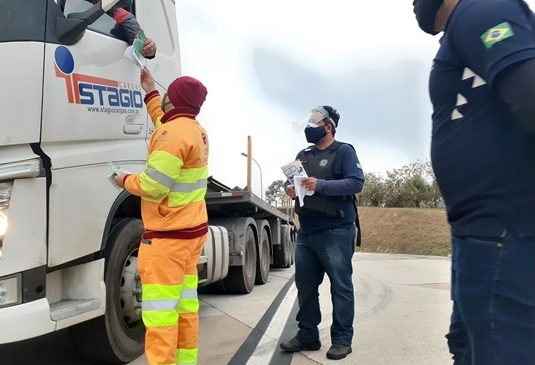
{"type": "Point", "coordinates": [326, 239]}
{"type": "Point", "coordinates": [482, 87]}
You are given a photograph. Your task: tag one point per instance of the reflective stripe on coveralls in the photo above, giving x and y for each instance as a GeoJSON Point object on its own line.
{"type": "Point", "coordinates": [164, 177]}
{"type": "Point", "coordinates": [170, 309]}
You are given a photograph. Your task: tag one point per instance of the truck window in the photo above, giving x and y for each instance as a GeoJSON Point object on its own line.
{"type": "Point", "coordinates": [103, 25]}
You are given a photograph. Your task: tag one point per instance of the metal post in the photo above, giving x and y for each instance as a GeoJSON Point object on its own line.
{"type": "Point", "coordinates": [249, 158]}
{"type": "Point", "coordinates": [249, 150]}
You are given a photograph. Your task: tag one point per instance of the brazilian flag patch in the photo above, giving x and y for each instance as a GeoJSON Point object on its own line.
{"type": "Point", "coordinates": [497, 34]}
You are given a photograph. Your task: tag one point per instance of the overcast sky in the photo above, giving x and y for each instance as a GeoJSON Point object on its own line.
{"type": "Point", "coordinates": [266, 64]}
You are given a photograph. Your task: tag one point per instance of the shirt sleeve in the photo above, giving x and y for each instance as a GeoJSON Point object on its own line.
{"type": "Point", "coordinates": [164, 166]}
{"type": "Point", "coordinates": [154, 107]}
{"type": "Point", "coordinates": [516, 87]}
{"type": "Point", "coordinates": [489, 36]}
{"type": "Point", "coordinates": [353, 175]}
{"type": "Point", "coordinates": [127, 22]}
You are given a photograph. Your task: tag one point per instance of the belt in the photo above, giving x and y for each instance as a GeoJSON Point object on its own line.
{"type": "Point", "coordinates": [186, 233]}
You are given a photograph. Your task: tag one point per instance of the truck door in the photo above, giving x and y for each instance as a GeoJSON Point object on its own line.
{"type": "Point", "coordinates": [93, 113]}
{"type": "Point", "coordinates": [159, 22]}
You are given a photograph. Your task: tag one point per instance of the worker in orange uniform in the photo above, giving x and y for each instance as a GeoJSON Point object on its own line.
{"type": "Point", "coordinates": [172, 188]}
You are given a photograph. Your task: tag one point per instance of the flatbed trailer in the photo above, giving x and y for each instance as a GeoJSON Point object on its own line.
{"type": "Point", "coordinates": [259, 237]}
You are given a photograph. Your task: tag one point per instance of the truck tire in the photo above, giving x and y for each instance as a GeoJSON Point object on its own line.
{"type": "Point", "coordinates": [289, 252]}
{"type": "Point", "coordinates": [282, 253]}
{"type": "Point", "coordinates": [241, 279]}
{"type": "Point", "coordinates": [118, 336]}
{"type": "Point", "coordinates": [263, 256]}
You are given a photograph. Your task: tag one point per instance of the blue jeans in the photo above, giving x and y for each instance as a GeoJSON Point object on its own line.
{"type": "Point", "coordinates": [316, 254]}
{"type": "Point", "coordinates": [493, 293]}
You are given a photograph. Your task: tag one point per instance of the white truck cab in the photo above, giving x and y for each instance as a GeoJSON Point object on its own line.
{"type": "Point", "coordinates": [72, 103]}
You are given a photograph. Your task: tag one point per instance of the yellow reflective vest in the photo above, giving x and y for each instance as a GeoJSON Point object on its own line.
{"type": "Point", "coordinates": [172, 186]}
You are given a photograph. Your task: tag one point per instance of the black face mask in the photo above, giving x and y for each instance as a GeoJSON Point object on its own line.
{"type": "Point", "coordinates": [426, 13]}
{"type": "Point", "coordinates": [314, 135]}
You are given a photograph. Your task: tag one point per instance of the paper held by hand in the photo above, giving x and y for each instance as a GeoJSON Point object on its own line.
{"type": "Point", "coordinates": [111, 179]}
{"type": "Point", "coordinates": [134, 52]}
{"type": "Point", "coordinates": [295, 173]}
{"type": "Point", "coordinates": [300, 190]}
{"type": "Point", "coordinates": [115, 170]}
{"type": "Point", "coordinates": [294, 168]}
{"type": "Point", "coordinates": [131, 54]}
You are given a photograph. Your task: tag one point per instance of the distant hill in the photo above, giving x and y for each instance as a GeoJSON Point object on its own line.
{"type": "Point", "coordinates": [405, 230]}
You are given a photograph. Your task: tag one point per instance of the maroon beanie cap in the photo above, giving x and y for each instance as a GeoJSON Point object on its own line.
{"type": "Point", "coordinates": [187, 92]}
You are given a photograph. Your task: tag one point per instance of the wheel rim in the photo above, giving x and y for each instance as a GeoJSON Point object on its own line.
{"type": "Point", "coordinates": [131, 291]}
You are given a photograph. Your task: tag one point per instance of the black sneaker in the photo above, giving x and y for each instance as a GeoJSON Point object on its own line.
{"type": "Point", "coordinates": [337, 352]}
{"type": "Point", "coordinates": [294, 345]}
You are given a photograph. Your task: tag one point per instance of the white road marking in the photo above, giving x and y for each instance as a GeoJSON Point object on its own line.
{"type": "Point", "coordinates": [269, 343]}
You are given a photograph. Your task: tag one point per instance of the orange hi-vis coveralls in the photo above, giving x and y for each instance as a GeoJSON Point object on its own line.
{"type": "Point", "coordinates": [172, 189]}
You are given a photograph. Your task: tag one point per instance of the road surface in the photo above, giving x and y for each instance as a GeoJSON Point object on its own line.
{"type": "Point", "coordinates": [402, 313]}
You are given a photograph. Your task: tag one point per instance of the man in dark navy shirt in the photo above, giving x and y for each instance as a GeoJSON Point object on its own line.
{"type": "Point", "coordinates": [482, 88]}
{"type": "Point", "coordinates": [326, 239]}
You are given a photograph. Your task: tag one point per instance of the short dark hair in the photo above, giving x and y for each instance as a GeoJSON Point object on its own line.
{"type": "Point", "coordinates": [333, 114]}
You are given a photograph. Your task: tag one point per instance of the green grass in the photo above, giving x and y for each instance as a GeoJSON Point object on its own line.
{"type": "Point", "coordinates": [405, 230]}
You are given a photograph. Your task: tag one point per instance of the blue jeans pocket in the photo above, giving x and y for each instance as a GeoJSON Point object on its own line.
{"type": "Point", "coordinates": [480, 241]}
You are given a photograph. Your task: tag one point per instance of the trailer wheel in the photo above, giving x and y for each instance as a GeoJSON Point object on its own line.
{"type": "Point", "coordinates": [240, 279]}
{"type": "Point", "coordinates": [288, 252]}
{"type": "Point", "coordinates": [118, 336]}
{"type": "Point", "coordinates": [282, 253]}
{"type": "Point", "coordinates": [262, 265]}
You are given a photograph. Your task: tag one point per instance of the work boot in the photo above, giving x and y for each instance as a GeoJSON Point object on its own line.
{"type": "Point", "coordinates": [294, 345]}
{"type": "Point", "coordinates": [337, 352]}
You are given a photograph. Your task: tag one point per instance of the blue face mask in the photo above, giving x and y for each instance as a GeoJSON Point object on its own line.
{"type": "Point", "coordinates": [315, 134]}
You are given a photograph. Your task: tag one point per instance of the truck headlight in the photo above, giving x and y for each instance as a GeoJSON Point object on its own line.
{"type": "Point", "coordinates": [10, 292]}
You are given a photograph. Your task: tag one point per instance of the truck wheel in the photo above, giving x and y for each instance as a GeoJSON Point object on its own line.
{"type": "Point", "coordinates": [240, 279]}
{"type": "Point", "coordinates": [118, 336]}
{"type": "Point", "coordinates": [282, 253]}
{"type": "Point", "coordinates": [289, 253]}
{"type": "Point", "coordinates": [262, 265]}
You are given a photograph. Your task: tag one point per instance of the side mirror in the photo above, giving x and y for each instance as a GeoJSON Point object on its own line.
{"type": "Point", "coordinates": [71, 29]}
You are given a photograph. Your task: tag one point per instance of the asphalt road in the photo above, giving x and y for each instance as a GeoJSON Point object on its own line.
{"type": "Point", "coordinates": [402, 313]}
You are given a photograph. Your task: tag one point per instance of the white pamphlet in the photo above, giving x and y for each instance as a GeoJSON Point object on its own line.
{"type": "Point", "coordinates": [134, 52]}
{"type": "Point", "coordinates": [292, 169]}
{"type": "Point", "coordinates": [295, 172]}
{"type": "Point", "coordinates": [115, 170]}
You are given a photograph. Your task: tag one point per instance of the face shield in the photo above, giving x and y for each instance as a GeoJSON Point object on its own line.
{"type": "Point", "coordinates": [313, 119]}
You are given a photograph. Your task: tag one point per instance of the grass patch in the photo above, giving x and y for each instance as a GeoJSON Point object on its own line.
{"type": "Point", "coordinates": [405, 230]}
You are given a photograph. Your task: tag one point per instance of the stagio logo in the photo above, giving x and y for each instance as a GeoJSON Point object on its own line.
{"type": "Point", "coordinates": [95, 91]}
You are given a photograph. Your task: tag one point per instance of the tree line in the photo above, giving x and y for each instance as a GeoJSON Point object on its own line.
{"type": "Point", "coordinates": [411, 186]}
